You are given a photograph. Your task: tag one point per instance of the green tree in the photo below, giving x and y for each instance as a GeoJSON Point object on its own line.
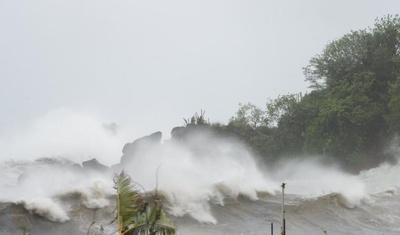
{"type": "Point", "coordinates": [358, 75]}
{"type": "Point", "coordinates": [262, 129]}
{"type": "Point", "coordinates": [293, 123]}
{"type": "Point", "coordinates": [250, 115]}
{"type": "Point", "coordinates": [251, 125]}
{"type": "Point", "coordinates": [394, 107]}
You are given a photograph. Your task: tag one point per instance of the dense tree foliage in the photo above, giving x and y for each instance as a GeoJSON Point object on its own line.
{"type": "Point", "coordinates": [350, 114]}
{"type": "Point", "coordinates": [357, 74]}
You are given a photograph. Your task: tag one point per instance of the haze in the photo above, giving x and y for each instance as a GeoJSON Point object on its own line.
{"type": "Point", "coordinates": [148, 64]}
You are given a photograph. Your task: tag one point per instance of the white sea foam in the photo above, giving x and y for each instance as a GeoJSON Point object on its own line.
{"type": "Point", "coordinates": [309, 177]}
{"type": "Point", "coordinates": [62, 132]}
{"type": "Point", "coordinates": [45, 207]}
{"type": "Point", "coordinates": [382, 178]}
{"type": "Point", "coordinates": [203, 170]}
{"type": "Point", "coordinates": [40, 184]}
{"type": "Point", "coordinates": [193, 175]}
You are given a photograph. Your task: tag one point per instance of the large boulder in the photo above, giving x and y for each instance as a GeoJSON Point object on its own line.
{"type": "Point", "coordinates": [183, 133]}
{"type": "Point", "coordinates": [94, 165]}
{"type": "Point", "coordinates": [190, 131]}
{"type": "Point", "coordinates": [131, 149]}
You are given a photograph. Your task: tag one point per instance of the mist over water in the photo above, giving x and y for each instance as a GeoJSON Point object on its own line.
{"type": "Point", "coordinates": [201, 171]}
{"type": "Point", "coordinates": [311, 178]}
{"type": "Point", "coordinates": [210, 185]}
{"type": "Point", "coordinates": [66, 133]}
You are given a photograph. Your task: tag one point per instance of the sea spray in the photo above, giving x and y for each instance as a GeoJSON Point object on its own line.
{"type": "Point", "coordinates": [206, 178]}
{"type": "Point", "coordinates": [45, 207]}
{"type": "Point", "coordinates": [77, 136]}
{"type": "Point", "coordinates": [201, 170]}
{"type": "Point", "coordinates": [42, 182]}
{"type": "Point", "coordinates": [312, 178]}
{"type": "Point", "coordinates": [382, 178]}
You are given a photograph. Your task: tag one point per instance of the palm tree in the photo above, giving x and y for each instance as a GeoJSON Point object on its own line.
{"type": "Point", "coordinates": [137, 216]}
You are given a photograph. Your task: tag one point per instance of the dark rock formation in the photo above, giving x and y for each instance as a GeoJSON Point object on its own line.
{"type": "Point", "coordinates": [178, 132]}
{"type": "Point", "coordinates": [95, 165]}
{"type": "Point", "coordinates": [182, 133]}
{"type": "Point", "coordinates": [190, 131]}
{"type": "Point", "coordinates": [141, 144]}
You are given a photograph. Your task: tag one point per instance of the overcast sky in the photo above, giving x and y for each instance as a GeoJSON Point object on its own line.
{"type": "Point", "coordinates": [148, 64]}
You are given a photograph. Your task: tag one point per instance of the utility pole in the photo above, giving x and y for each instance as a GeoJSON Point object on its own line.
{"type": "Point", "coordinates": [283, 228]}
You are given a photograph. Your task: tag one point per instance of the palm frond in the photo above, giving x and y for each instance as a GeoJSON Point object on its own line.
{"type": "Point", "coordinates": [129, 201]}
{"type": "Point", "coordinates": [134, 215]}
{"type": "Point", "coordinates": [152, 222]}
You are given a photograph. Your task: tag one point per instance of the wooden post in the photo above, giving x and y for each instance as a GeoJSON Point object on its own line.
{"type": "Point", "coordinates": [283, 232]}
{"type": "Point", "coordinates": [272, 228]}
{"type": "Point", "coordinates": [284, 226]}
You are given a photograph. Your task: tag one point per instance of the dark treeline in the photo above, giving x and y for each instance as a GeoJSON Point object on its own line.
{"type": "Point", "coordinates": [351, 114]}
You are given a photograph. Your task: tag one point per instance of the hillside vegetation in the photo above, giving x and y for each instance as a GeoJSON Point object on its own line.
{"type": "Point", "coordinates": [351, 114]}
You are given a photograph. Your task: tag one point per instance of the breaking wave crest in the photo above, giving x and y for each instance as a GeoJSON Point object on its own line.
{"type": "Point", "coordinates": [45, 207]}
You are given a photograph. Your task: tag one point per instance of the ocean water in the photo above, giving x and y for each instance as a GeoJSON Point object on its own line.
{"type": "Point", "coordinates": [208, 185]}
{"type": "Point", "coordinates": [53, 196]}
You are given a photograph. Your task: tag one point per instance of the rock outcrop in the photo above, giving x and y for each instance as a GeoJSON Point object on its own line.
{"type": "Point", "coordinates": [131, 149]}
{"type": "Point", "coordinates": [94, 165]}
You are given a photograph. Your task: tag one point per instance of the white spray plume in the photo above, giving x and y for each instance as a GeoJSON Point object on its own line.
{"type": "Point", "coordinates": [40, 184]}
{"type": "Point", "coordinates": [45, 207]}
{"type": "Point", "coordinates": [66, 133]}
{"type": "Point", "coordinates": [382, 178]}
{"type": "Point", "coordinates": [309, 177]}
{"type": "Point", "coordinates": [192, 174]}
{"type": "Point", "coordinates": [201, 170]}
